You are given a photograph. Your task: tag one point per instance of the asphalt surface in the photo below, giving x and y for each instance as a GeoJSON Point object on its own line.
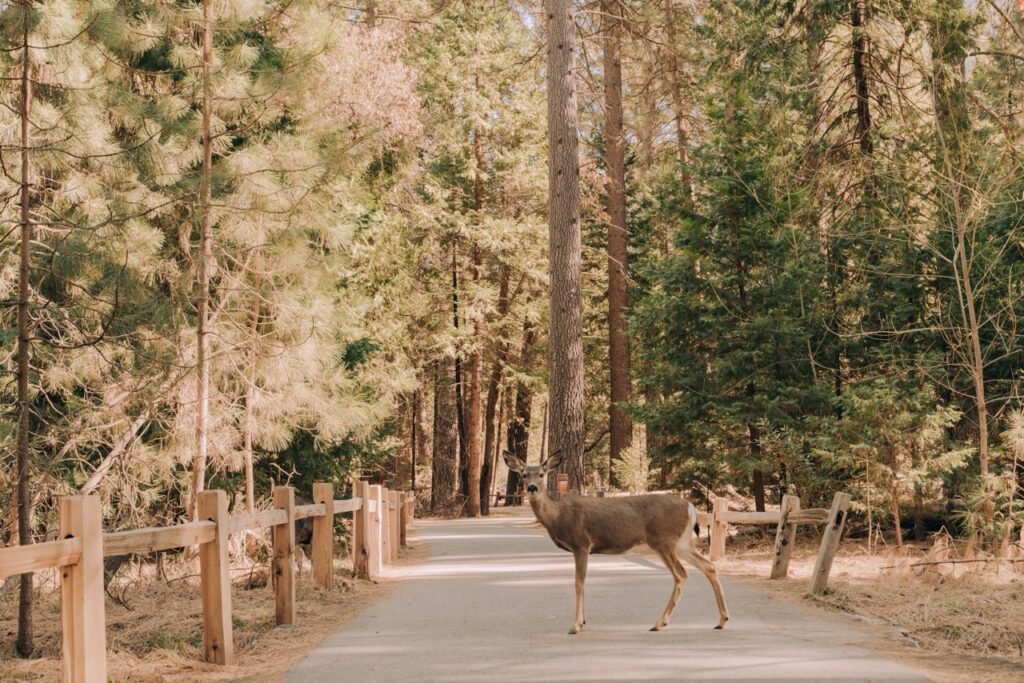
{"type": "Point", "coordinates": [494, 601]}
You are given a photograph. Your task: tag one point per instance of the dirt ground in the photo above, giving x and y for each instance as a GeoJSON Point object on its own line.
{"type": "Point", "coordinates": [149, 643]}
{"type": "Point", "coordinates": [961, 627]}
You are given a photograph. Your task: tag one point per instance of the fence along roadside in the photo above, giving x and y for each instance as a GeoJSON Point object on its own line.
{"type": "Point", "coordinates": [82, 545]}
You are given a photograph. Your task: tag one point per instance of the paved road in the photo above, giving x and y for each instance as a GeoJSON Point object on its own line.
{"type": "Point", "coordinates": [494, 600]}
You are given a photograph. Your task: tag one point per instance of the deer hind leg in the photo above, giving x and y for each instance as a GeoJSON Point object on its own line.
{"type": "Point", "coordinates": [581, 556]}
{"type": "Point", "coordinates": [705, 566]}
{"type": "Point", "coordinates": [668, 556]}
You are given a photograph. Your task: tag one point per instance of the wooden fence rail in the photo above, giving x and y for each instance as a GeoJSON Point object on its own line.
{"type": "Point", "coordinates": [380, 518]}
{"type": "Point", "coordinates": [786, 520]}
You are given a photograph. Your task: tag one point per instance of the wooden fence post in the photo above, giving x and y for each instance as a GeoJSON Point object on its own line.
{"type": "Point", "coordinates": [81, 593]}
{"type": "Point", "coordinates": [785, 536]}
{"type": "Point", "coordinates": [361, 523]}
{"type": "Point", "coordinates": [323, 536]}
{"type": "Point", "coordinates": [375, 540]}
{"type": "Point", "coordinates": [394, 523]}
{"type": "Point", "coordinates": [719, 529]}
{"type": "Point", "coordinates": [215, 581]}
{"type": "Point", "coordinates": [283, 562]}
{"type": "Point", "coordinates": [830, 543]}
{"type": "Point", "coordinates": [403, 513]}
{"type": "Point", "coordinates": [385, 526]}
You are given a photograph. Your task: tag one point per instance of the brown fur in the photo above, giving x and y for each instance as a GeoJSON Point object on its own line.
{"type": "Point", "coordinates": [610, 526]}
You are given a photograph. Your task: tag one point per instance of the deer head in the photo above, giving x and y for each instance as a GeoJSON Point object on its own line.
{"type": "Point", "coordinates": [533, 475]}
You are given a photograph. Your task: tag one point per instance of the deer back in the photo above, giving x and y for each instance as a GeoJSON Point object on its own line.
{"type": "Point", "coordinates": [614, 525]}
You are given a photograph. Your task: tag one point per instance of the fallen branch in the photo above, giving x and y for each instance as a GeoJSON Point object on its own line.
{"type": "Point", "coordinates": [933, 562]}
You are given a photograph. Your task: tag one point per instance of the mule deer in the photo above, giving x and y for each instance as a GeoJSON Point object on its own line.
{"type": "Point", "coordinates": [585, 526]}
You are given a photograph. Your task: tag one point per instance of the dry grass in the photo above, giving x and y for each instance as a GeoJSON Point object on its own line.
{"type": "Point", "coordinates": [156, 634]}
{"type": "Point", "coordinates": [963, 622]}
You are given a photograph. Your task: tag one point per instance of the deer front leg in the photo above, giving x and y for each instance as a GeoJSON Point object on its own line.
{"type": "Point", "coordinates": [679, 578]}
{"type": "Point", "coordinates": [581, 557]}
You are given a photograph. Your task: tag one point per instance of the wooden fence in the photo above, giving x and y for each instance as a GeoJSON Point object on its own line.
{"type": "Point", "coordinates": [380, 520]}
{"type": "Point", "coordinates": [786, 520]}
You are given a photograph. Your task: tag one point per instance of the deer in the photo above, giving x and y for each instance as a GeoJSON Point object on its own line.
{"type": "Point", "coordinates": [585, 526]}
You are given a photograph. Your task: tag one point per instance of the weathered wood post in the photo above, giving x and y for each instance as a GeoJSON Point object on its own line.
{"type": "Point", "coordinates": [375, 529]}
{"type": "Point", "coordinates": [215, 581]}
{"type": "Point", "coordinates": [394, 523]}
{"type": "Point", "coordinates": [323, 536]}
{"type": "Point", "coordinates": [81, 593]}
{"type": "Point", "coordinates": [403, 512]}
{"type": "Point", "coordinates": [361, 523]}
{"type": "Point", "coordinates": [785, 536]}
{"type": "Point", "coordinates": [385, 526]}
{"type": "Point", "coordinates": [830, 543]}
{"type": "Point", "coordinates": [719, 528]}
{"type": "Point", "coordinates": [283, 560]}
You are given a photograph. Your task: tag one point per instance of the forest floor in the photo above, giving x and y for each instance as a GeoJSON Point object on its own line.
{"type": "Point", "coordinates": [151, 643]}
{"type": "Point", "coordinates": [960, 623]}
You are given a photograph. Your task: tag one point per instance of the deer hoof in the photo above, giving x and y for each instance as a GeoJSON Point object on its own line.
{"type": "Point", "coordinates": [573, 630]}
{"type": "Point", "coordinates": [720, 627]}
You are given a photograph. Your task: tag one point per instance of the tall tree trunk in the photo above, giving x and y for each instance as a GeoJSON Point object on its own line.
{"type": "Point", "coordinates": [675, 76]}
{"type": "Point", "coordinates": [203, 276]}
{"type": "Point", "coordinates": [493, 386]}
{"type": "Point", "coordinates": [860, 77]}
{"type": "Point", "coordinates": [475, 426]}
{"type": "Point", "coordinates": [460, 404]}
{"type": "Point", "coordinates": [250, 401]}
{"type": "Point", "coordinates": [445, 458]}
{"type": "Point", "coordinates": [25, 642]}
{"type": "Point", "coordinates": [565, 347]}
{"type": "Point", "coordinates": [414, 440]}
{"type": "Point", "coordinates": [894, 495]}
{"type": "Point", "coordinates": [519, 424]}
{"type": "Point", "coordinates": [619, 422]}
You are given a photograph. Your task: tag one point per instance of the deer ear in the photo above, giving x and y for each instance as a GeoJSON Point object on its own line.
{"type": "Point", "coordinates": [514, 463]}
{"type": "Point", "coordinates": [553, 461]}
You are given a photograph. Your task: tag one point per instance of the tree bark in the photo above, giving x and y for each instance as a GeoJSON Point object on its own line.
{"type": "Point", "coordinates": [460, 404]}
{"type": "Point", "coordinates": [203, 276]}
{"type": "Point", "coordinates": [445, 458]}
{"type": "Point", "coordinates": [619, 422]}
{"type": "Point", "coordinates": [475, 426]}
{"type": "Point", "coordinates": [565, 354]}
{"type": "Point", "coordinates": [519, 424]}
{"type": "Point", "coordinates": [493, 387]}
{"type": "Point", "coordinates": [860, 77]}
{"type": "Point", "coordinates": [25, 641]}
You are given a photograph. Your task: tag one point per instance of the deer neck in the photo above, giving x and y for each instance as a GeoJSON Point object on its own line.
{"type": "Point", "coordinates": [545, 508]}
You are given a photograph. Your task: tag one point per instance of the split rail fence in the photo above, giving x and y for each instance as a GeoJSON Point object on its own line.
{"type": "Point", "coordinates": [380, 518]}
{"type": "Point", "coordinates": [786, 519]}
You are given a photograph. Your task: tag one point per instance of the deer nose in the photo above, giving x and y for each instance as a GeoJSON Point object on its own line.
{"type": "Point", "coordinates": [532, 488]}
